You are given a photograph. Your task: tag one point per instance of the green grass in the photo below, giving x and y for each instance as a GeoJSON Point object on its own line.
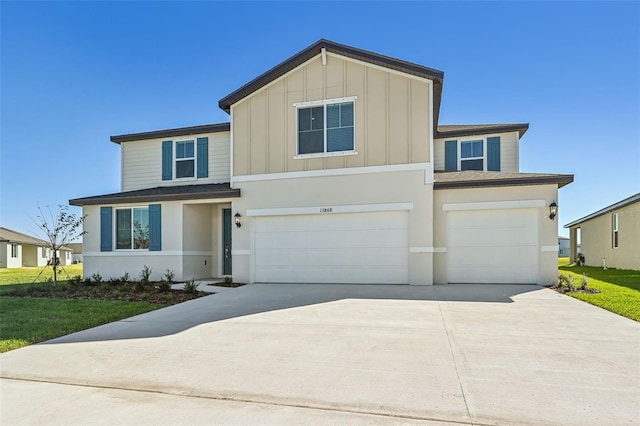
{"type": "Point", "coordinates": [28, 320]}
{"type": "Point", "coordinates": [620, 288]}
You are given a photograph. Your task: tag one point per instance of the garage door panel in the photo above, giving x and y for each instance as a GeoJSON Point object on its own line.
{"type": "Point", "coordinates": [345, 274]}
{"type": "Point", "coordinates": [496, 236]}
{"type": "Point", "coordinates": [317, 239]}
{"type": "Point", "coordinates": [333, 257]}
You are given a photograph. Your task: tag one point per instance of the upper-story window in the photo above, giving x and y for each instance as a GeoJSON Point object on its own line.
{"type": "Point", "coordinates": [132, 228]}
{"type": "Point", "coordinates": [614, 230]}
{"type": "Point", "coordinates": [472, 155]}
{"type": "Point", "coordinates": [185, 159]}
{"type": "Point", "coordinates": [326, 127]}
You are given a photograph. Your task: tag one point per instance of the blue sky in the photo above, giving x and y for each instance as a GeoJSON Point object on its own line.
{"type": "Point", "coordinates": [75, 73]}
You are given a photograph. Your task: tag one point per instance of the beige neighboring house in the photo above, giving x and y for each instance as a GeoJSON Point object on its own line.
{"type": "Point", "coordinates": [19, 250]}
{"type": "Point", "coordinates": [76, 252]}
{"type": "Point", "coordinates": [609, 236]}
{"type": "Point", "coordinates": [333, 168]}
{"type": "Point", "coordinates": [563, 246]}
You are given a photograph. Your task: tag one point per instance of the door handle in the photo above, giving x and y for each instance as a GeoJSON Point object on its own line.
{"type": "Point", "coordinates": [226, 252]}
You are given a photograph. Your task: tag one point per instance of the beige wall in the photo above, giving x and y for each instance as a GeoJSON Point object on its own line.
{"type": "Point", "coordinates": [378, 188]}
{"type": "Point", "coordinates": [142, 162]}
{"type": "Point", "coordinates": [548, 229]}
{"type": "Point", "coordinates": [596, 239]}
{"type": "Point", "coordinates": [509, 150]}
{"type": "Point", "coordinates": [392, 118]}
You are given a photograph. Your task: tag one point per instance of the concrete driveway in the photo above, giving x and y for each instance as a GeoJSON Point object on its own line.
{"type": "Point", "coordinates": [309, 354]}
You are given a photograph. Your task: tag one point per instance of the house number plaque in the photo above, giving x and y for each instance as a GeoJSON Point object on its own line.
{"type": "Point", "coordinates": [326, 210]}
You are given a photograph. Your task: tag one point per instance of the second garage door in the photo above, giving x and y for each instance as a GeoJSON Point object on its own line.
{"type": "Point", "coordinates": [492, 246]}
{"type": "Point", "coordinates": [367, 248]}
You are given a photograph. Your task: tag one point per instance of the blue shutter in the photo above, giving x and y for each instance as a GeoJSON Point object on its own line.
{"type": "Point", "coordinates": [106, 226]}
{"type": "Point", "coordinates": [451, 155]}
{"type": "Point", "coordinates": [203, 157]}
{"type": "Point", "coordinates": [155, 228]}
{"type": "Point", "coordinates": [167, 160]}
{"type": "Point", "coordinates": [493, 154]}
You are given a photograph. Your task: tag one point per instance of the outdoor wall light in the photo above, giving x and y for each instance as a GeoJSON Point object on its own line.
{"type": "Point", "coordinates": [237, 217]}
{"type": "Point", "coordinates": [553, 210]}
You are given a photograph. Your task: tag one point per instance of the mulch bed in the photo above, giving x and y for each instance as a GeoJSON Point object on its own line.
{"type": "Point", "coordinates": [560, 288]}
{"type": "Point", "coordinates": [223, 284]}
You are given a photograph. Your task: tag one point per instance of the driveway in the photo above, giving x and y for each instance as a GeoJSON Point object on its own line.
{"type": "Point", "coordinates": [481, 354]}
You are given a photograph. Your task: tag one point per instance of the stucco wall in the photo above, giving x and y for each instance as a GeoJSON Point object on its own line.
{"type": "Point", "coordinates": [11, 262]}
{"type": "Point", "coordinates": [547, 231]}
{"type": "Point", "coordinates": [392, 118]}
{"type": "Point", "coordinates": [353, 190]}
{"type": "Point", "coordinates": [596, 239]}
{"type": "Point", "coordinates": [509, 150]}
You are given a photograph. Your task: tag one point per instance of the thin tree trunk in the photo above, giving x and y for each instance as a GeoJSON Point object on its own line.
{"type": "Point", "coordinates": [55, 267]}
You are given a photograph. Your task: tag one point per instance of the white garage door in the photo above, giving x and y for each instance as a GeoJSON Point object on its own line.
{"type": "Point", "coordinates": [367, 248]}
{"type": "Point", "coordinates": [492, 246]}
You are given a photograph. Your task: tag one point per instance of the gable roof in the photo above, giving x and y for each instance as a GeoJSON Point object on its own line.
{"type": "Point", "coordinates": [180, 131]}
{"type": "Point", "coordinates": [12, 236]}
{"type": "Point", "coordinates": [350, 52]}
{"type": "Point", "coordinates": [459, 130]}
{"type": "Point", "coordinates": [479, 179]}
{"type": "Point", "coordinates": [633, 199]}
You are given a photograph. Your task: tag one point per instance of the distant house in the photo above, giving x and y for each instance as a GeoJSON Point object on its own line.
{"type": "Point", "coordinates": [18, 250]}
{"type": "Point", "coordinates": [76, 252]}
{"type": "Point", "coordinates": [610, 235]}
{"type": "Point", "coordinates": [563, 247]}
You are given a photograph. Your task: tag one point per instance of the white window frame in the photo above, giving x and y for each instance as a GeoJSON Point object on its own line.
{"type": "Point", "coordinates": [615, 230]}
{"type": "Point", "coordinates": [176, 159]}
{"type": "Point", "coordinates": [115, 228]}
{"type": "Point", "coordinates": [484, 152]}
{"type": "Point", "coordinates": [324, 103]}
{"type": "Point", "coordinates": [44, 252]}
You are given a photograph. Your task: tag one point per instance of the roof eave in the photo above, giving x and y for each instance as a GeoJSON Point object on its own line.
{"type": "Point", "coordinates": [180, 131]}
{"type": "Point", "coordinates": [92, 201]}
{"type": "Point", "coordinates": [521, 128]}
{"type": "Point", "coordinates": [620, 204]}
{"type": "Point", "coordinates": [560, 180]}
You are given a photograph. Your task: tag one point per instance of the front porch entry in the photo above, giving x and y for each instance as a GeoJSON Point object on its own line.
{"type": "Point", "coordinates": [226, 241]}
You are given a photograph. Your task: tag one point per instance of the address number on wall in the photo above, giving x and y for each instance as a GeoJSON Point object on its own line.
{"type": "Point", "coordinates": [326, 209]}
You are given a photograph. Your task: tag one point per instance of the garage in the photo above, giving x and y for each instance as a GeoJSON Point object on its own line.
{"type": "Point", "coordinates": [492, 246]}
{"type": "Point", "coordinates": [354, 248]}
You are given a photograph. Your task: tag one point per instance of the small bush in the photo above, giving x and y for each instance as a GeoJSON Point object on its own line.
{"type": "Point", "coordinates": [115, 281]}
{"type": "Point", "coordinates": [145, 274]}
{"type": "Point", "coordinates": [190, 286]}
{"type": "Point", "coordinates": [96, 277]}
{"type": "Point", "coordinates": [164, 286]}
{"type": "Point", "coordinates": [169, 275]}
{"type": "Point", "coordinates": [125, 278]}
{"type": "Point", "coordinates": [76, 279]}
{"type": "Point", "coordinates": [228, 280]}
{"type": "Point", "coordinates": [583, 285]}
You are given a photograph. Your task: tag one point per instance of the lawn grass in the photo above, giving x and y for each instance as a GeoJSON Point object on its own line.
{"type": "Point", "coordinates": [28, 320]}
{"type": "Point", "coordinates": [620, 288]}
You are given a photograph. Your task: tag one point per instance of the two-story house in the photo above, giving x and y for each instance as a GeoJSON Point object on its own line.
{"type": "Point", "coordinates": [332, 169]}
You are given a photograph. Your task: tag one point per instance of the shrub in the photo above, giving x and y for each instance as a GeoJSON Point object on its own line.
{"type": "Point", "coordinates": [164, 286]}
{"type": "Point", "coordinates": [76, 279]}
{"type": "Point", "coordinates": [566, 281]}
{"type": "Point", "coordinates": [125, 278]}
{"type": "Point", "coordinates": [190, 286]}
{"type": "Point", "coordinates": [228, 280]}
{"type": "Point", "coordinates": [584, 283]}
{"type": "Point", "coordinates": [115, 281]}
{"type": "Point", "coordinates": [145, 274]}
{"type": "Point", "coordinates": [97, 277]}
{"type": "Point", "coordinates": [169, 275]}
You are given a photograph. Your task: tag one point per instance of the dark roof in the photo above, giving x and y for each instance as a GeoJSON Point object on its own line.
{"type": "Point", "coordinates": [180, 131]}
{"type": "Point", "coordinates": [458, 130]}
{"type": "Point", "coordinates": [477, 179]}
{"type": "Point", "coordinates": [351, 52]}
{"type": "Point", "coordinates": [162, 193]}
{"type": "Point", "coordinates": [12, 236]}
{"type": "Point", "coordinates": [633, 199]}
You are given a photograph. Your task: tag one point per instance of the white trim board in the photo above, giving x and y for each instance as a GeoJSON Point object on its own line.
{"type": "Point", "coordinates": [427, 249]}
{"type": "Point", "coordinates": [494, 205]}
{"type": "Point", "coordinates": [337, 172]}
{"type": "Point", "coordinates": [145, 253]}
{"type": "Point", "coordinates": [357, 208]}
{"type": "Point", "coordinates": [240, 252]}
{"type": "Point", "coordinates": [551, 247]}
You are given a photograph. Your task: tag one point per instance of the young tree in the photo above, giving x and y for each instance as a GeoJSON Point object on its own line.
{"type": "Point", "coordinates": [59, 229]}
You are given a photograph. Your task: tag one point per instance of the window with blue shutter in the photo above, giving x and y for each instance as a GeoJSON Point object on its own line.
{"type": "Point", "coordinates": [106, 226]}
{"type": "Point", "coordinates": [451, 155]}
{"type": "Point", "coordinates": [203, 157]}
{"type": "Point", "coordinates": [493, 154]}
{"type": "Point", "coordinates": [155, 227]}
{"type": "Point", "coordinates": [167, 160]}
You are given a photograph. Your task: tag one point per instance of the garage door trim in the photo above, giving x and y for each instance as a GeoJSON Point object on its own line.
{"type": "Point", "coordinates": [494, 205]}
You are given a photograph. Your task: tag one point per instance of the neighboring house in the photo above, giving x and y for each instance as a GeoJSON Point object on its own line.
{"type": "Point", "coordinates": [563, 246]}
{"type": "Point", "coordinates": [76, 252]}
{"type": "Point", "coordinates": [332, 169]}
{"type": "Point", "coordinates": [612, 234]}
{"type": "Point", "coordinates": [19, 250]}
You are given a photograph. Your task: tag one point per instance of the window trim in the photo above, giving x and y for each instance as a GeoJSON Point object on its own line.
{"type": "Point", "coordinates": [615, 230]}
{"type": "Point", "coordinates": [175, 160]}
{"type": "Point", "coordinates": [484, 152]}
{"type": "Point", "coordinates": [324, 103]}
{"type": "Point", "coordinates": [115, 228]}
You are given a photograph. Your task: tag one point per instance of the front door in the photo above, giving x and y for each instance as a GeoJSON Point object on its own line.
{"type": "Point", "coordinates": [226, 241]}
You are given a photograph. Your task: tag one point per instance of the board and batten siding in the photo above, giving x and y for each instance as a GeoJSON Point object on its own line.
{"type": "Point", "coordinates": [142, 162]}
{"type": "Point", "coordinates": [509, 150]}
{"type": "Point", "coordinates": [392, 118]}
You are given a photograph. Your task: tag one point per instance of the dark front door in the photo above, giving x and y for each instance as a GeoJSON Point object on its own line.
{"type": "Point", "coordinates": [226, 240]}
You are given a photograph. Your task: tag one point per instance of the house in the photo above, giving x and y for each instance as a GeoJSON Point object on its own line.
{"type": "Point", "coordinates": [333, 168]}
{"type": "Point", "coordinates": [76, 252]}
{"type": "Point", "coordinates": [19, 250]}
{"type": "Point", "coordinates": [563, 246]}
{"type": "Point", "coordinates": [610, 236]}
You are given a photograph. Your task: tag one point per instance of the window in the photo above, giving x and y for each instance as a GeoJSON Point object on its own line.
{"type": "Point", "coordinates": [614, 230]}
{"type": "Point", "coordinates": [326, 127]}
{"type": "Point", "coordinates": [472, 155]}
{"type": "Point", "coordinates": [14, 250]}
{"type": "Point", "coordinates": [44, 252]}
{"type": "Point", "coordinates": [185, 159]}
{"type": "Point", "coordinates": [132, 229]}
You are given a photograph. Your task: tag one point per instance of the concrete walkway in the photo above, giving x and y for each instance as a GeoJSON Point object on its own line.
{"type": "Point", "coordinates": [296, 354]}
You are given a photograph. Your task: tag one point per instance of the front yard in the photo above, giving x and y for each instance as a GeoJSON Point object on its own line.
{"type": "Point", "coordinates": [620, 288]}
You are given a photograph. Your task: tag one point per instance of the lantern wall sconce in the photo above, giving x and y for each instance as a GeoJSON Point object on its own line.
{"type": "Point", "coordinates": [553, 210]}
{"type": "Point", "coordinates": [237, 218]}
